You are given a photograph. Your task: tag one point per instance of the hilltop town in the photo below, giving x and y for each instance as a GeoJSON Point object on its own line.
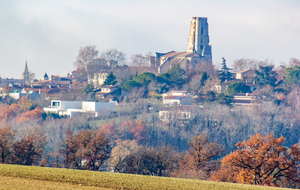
{"type": "Point", "coordinates": [158, 108]}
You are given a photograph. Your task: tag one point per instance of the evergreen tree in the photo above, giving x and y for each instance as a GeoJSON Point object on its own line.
{"type": "Point", "coordinates": [293, 75]}
{"type": "Point", "coordinates": [237, 87]}
{"type": "Point", "coordinates": [225, 74]}
{"type": "Point", "coordinates": [176, 72]}
{"type": "Point", "coordinates": [204, 77]}
{"type": "Point", "coordinates": [265, 75]}
{"type": "Point", "coordinates": [110, 80]}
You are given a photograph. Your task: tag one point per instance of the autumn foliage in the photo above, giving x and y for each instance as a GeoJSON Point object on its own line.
{"type": "Point", "coordinates": [86, 150]}
{"type": "Point", "coordinates": [30, 115]}
{"type": "Point", "coordinates": [261, 161]}
{"type": "Point", "coordinates": [128, 130]}
{"type": "Point", "coordinates": [27, 150]}
{"type": "Point", "coordinates": [200, 160]}
{"type": "Point", "coordinates": [23, 111]}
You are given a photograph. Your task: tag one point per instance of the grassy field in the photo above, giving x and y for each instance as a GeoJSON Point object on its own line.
{"type": "Point", "coordinates": [28, 177]}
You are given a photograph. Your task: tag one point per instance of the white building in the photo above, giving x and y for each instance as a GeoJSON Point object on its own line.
{"type": "Point", "coordinates": [176, 97]}
{"type": "Point", "coordinates": [73, 108]}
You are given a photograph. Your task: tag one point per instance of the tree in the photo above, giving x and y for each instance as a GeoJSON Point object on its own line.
{"type": "Point", "coordinates": [293, 75]}
{"type": "Point", "coordinates": [139, 60]}
{"type": "Point", "coordinates": [204, 77]}
{"type": "Point", "coordinates": [262, 161]}
{"type": "Point", "coordinates": [224, 73]}
{"type": "Point", "coordinates": [265, 75]}
{"type": "Point", "coordinates": [113, 55]}
{"type": "Point", "coordinates": [210, 96]}
{"type": "Point", "coordinates": [25, 104]}
{"type": "Point", "coordinates": [129, 85]}
{"type": "Point", "coordinates": [110, 80]}
{"type": "Point", "coordinates": [69, 149]}
{"type": "Point", "coordinates": [133, 129]}
{"type": "Point", "coordinates": [28, 150]}
{"type": "Point", "coordinates": [164, 78]}
{"type": "Point", "coordinates": [294, 62]}
{"type": "Point", "coordinates": [31, 76]}
{"type": "Point", "coordinates": [199, 158]}
{"type": "Point", "coordinates": [145, 78]}
{"type": "Point", "coordinates": [176, 73]}
{"type": "Point", "coordinates": [161, 161]}
{"type": "Point", "coordinates": [85, 150]}
{"type": "Point", "coordinates": [87, 89]}
{"type": "Point", "coordinates": [242, 64]}
{"type": "Point", "coordinates": [85, 56]}
{"type": "Point", "coordinates": [32, 115]}
{"type": "Point", "coordinates": [224, 99]}
{"type": "Point", "coordinates": [237, 87]}
{"type": "Point", "coordinates": [97, 151]}
{"type": "Point", "coordinates": [6, 142]}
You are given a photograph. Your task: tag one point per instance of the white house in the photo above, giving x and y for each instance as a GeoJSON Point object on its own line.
{"type": "Point", "coordinates": [73, 108]}
{"type": "Point", "coordinates": [176, 97]}
{"type": "Point", "coordinates": [181, 113]}
{"type": "Point", "coordinates": [175, 93]}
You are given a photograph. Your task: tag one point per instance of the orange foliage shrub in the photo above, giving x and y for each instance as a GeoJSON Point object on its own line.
{"type": "Point", "coordinates": [134, 130]}
{"type": "Point", "coordinates": [261, 161]}
{"type": "Point", "coordinates": [30, 115]}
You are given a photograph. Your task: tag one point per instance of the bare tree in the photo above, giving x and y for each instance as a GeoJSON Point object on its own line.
{"type": "Point", "coordinates": [85, 56]}
{"type": "Point", "coordinates": [115, 55]}
{"type": "Point", "coordinates": [244, 63]}
{"type": "Point", "coordinates": [140, 60]}
{"type": "Point", "coordinates": [294, 62]}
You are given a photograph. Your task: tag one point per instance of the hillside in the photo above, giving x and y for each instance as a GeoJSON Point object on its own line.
{"type": "Point", "coordinates": [29, 177]}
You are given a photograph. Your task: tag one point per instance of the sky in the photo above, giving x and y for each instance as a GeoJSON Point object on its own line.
{"type": "Point", "coordinates": [49, 34]}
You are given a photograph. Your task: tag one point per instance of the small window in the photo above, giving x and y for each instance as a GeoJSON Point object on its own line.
{"type": "Point", "coordinates": [55, 104]}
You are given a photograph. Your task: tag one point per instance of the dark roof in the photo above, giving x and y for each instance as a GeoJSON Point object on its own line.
{"type": "Point", "coordinates": [243, 101]}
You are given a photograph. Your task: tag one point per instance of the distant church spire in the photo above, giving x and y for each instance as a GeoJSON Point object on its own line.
{"type": "Point", "coordinates": [25, 74]}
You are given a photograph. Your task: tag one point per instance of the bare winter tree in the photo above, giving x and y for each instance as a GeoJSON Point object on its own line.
{"type": "Point", "coordinates": [85, 56]}
{"type": "Point", "coordinates": [294, 62]}
{"type": "Point", "coordinates": [244, 63]}
{"type": "Point", "coordinates": [115, 55]}
{"type": "Point", "coordinates": [140, 60]}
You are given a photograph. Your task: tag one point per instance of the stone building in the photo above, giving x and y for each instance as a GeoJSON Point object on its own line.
{"type": "Point", "coordinates": [198, 50]}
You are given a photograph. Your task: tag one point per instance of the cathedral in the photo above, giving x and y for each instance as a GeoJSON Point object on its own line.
{"type": "Point", "coordinates": [198, 50]}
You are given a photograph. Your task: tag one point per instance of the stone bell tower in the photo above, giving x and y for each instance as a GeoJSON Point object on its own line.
{"type": "Point", "coordinates": [199, 39]}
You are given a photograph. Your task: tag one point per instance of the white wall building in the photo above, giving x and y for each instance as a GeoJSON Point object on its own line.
{"type": "Point", "coordinates": [177, 97]}
{"type": "Point", "coordinates": [73, 108]}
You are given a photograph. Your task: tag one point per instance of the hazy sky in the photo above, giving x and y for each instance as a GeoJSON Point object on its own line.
{"type": "Point", "coordinates": [49, 34]}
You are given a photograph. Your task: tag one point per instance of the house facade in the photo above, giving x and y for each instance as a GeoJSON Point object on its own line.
{"type": "Point", "coordinates": [179, 113]}
{"type": "Point", "coordinates": [176, 97]}
{"type": "Point", "coordinates": [78, 108]}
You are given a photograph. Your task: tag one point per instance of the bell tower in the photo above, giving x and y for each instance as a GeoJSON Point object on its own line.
{"type": "Point", "coordinates": [199, 39]}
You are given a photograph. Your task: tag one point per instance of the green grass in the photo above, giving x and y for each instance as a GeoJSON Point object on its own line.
{"type": "Point", "coordinates": [30, 184]}
{"type": "Point", "coordinates": [77, 179]}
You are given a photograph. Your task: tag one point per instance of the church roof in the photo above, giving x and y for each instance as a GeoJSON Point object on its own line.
{"type": "Point", "coordinates": [180, 54]}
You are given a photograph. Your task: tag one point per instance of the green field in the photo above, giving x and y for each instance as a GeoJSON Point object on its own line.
{"type": "Point", "coordinates": [29, 177]}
